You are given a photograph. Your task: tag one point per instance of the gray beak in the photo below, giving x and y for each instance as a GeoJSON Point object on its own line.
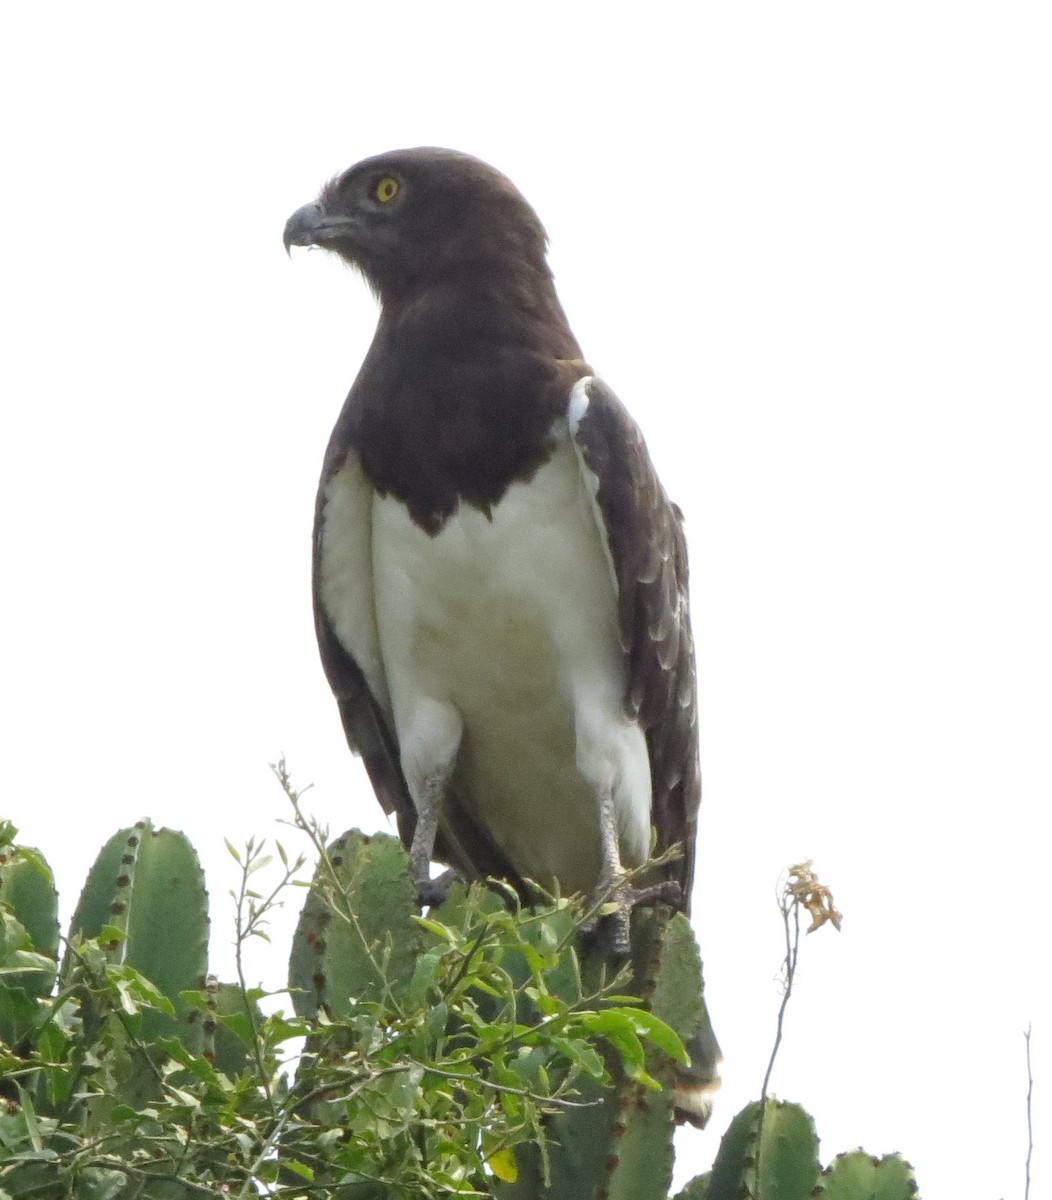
{"type": "Point", "coordinates": [312, 226]}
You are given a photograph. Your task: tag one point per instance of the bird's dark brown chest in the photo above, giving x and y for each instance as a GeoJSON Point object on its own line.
{"type": "Point", "coordinates": [456, 399]}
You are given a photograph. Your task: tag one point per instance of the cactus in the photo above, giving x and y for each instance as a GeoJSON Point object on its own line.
{"type": "Point", "coordinates": [667, 968]}
{"type": "Point", "coordinates": [770, 1152]}
{"type": "Point", "coordinates": [28, 939]}
{"type": "Point", "coordinates": [356, 938]}
{"type": "Point", "coordinates": [27, 890]}
{"type": "Point", "coordinates": [148, 885]}
{"type": "Point", "coordinates": [358, 941]}
{"type": "Point", "coordinates": [145, 902]}
{"type": "Point", "coordinates": [364, 961]}
{"type": "Point", "coordinates": [620, 1148]}
{"type": "Point", "coordinates": [859, 1176]}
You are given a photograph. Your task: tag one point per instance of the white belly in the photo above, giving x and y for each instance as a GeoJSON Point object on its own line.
{"type": "Point", "coordinates": [499, 643]}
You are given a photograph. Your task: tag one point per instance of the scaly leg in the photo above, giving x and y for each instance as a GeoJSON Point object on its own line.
{"type": "Point", "coordinates": [429, 733]}
{"type": "Point", "coordinates": [428, 891]}
{"type": "Point", "coordinates": [614, 884]}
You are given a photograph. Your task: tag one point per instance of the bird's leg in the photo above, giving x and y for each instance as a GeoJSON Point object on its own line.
{"type": "Point", "coordinates": [612, 880]}
{"type": "Point", "coordinates": [614, 884]}
{"type": "Point", "coordinates": [429, 733]}
{"type": "Point", "coordinates": [429, 803]}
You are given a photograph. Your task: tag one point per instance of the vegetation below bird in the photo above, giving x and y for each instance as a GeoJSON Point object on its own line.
{"type": "Point", "coordinates": [481, 1050]}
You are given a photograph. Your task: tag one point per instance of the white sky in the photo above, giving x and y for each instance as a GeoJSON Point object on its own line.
{"type": "Point", "coordinates": [808, 244]}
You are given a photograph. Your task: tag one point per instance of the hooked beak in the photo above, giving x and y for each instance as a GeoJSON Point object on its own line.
{"type": "Point", "coordinates": [312, 226]}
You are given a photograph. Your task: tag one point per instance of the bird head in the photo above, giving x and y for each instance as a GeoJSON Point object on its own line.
{"type": "Point", "coordinates": [422, 214]}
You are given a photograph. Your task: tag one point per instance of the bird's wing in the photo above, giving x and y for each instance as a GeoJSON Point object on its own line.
{"type": "Point", "coordinates": [349, 642]}
{"type": "Point", "coordinates": [345, 622]}
{"type": "Point", "coordinates": [642, 531]}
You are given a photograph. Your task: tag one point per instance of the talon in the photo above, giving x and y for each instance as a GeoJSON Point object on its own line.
{"type": "Point", "coordinates": [668, 892]}
{"type": "Point", "coordinates": [622, 919]}
{"type": "Point", "coordinates": [432, 892]}
{"type": "Point", "coordinates": [627, 898]}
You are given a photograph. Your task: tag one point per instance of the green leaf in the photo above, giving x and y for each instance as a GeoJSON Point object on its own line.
{"type": "Point", "coordinates": [657, 1032]}
{"type": "Point", "coordinates": [580, 1052]}
{"type": "Point", "coordinates": [101, 1183]}
{"type": "Point", "coordinates": [136, 990]}
{"type": "Point", "coordinates": [502, 1164]}
{"type": "Point", "coordinates": [29, 1116]}
{"type": "Point", "coordinates": [435, 927]}
{"type": "Point", "coordinates": [298, 1168]}
{"type": "Point", "coordinates": [619, 1031]}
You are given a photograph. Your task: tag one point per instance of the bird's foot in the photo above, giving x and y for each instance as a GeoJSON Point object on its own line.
{"type": "Point", "coordinates": [430, 892]}
{"type": "Point", "coordinates": [617, 902]}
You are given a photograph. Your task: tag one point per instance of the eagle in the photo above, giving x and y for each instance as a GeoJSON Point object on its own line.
{"type": "Point", "coordinates": [500, 581]}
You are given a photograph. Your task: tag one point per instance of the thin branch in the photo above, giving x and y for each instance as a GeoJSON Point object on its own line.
{"type": "Point", "coordinates": [792, 952]}
{"type": "Point", "coordinates": [341, 907]}
{"type": "Point", "coordinates": [268, 1149]}
{"type": "Point", "coordinates": [257, 916]}
{"type": "Point", "coordinates": [525, 1093]}
{"type": "Point", "coordinates": [801, 889]}
{"type": "Point", "coordinates": [1029, 1114]}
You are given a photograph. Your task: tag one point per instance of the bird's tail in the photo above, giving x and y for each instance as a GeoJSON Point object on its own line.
{"type": "Point", "coordinates": [695, 1086]}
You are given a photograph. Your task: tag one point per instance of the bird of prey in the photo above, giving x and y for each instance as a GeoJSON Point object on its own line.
{"type": "Point", "coordinates": [500, 581]}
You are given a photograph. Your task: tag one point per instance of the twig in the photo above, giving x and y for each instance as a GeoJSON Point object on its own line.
{"type": "Point", "coordinates": [1029, 1114]}
{"type": "Point", "coordinates": [801, 889]}
{"type": "Point", "coordinates": [244, 929]}
{"type": "Point", "coordinates": [337, 888]}
{"type": "Point", "coordinates": [792, 953]}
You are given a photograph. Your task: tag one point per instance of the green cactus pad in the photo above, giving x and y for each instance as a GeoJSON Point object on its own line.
{"type": "Point", "coordinates": [641, 1161]}
{"type": "Point", "coordinates": [27, 889]}
{"type": "Point", "coordinates": [697, 1189]}
{"type": "Point", "coordinates": [769, 1152]}
{"type": "Point", "coordinates": [859, 1176]}
{"type": "Point", "coordinates": [667, 975]}
{"type": "Point", "coordinates": [356, 938]}
{"type": "Point", "coordinates": [148, 884]}
{"type": "Point", "coordinates": [102, 900]}
{"type": "Point", "coordinates": [168, 922]}
{"type": "Point", "coordinates": [578, 1147]}
{"type": "Point", "coordinates": [788, 1151]}
{"type": "Point", "coordinates": [620, 1146]}
{"type": "Point", "coordinates": [229, 1022]}
{"type": "Point", "coordinates": [675, 974]}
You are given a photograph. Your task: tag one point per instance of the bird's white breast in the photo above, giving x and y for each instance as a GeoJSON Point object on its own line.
{"type": "Point", "coordinates": [499, 646]}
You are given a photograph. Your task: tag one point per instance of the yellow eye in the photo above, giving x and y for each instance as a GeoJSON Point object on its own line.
{"type": "Point", "coordinates": [386, 189]}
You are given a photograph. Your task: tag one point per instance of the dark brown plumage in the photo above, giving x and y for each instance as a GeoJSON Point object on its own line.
{"type": "Point", "coordinates": [500, 579]}
{"type": "Point", "coordinates": [470, 323]}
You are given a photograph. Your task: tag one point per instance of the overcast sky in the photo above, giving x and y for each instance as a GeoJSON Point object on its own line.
{"type": "Point", "coordinates": [808, 244]}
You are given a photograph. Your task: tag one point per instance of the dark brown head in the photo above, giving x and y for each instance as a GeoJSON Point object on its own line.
{"type": "Point", "coordinates": [423, 214]}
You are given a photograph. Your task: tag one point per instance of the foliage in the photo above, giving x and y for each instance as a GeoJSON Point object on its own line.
{"type": "Point", "coordinates": [486, 1049]}
{"type": "Point", "coordinates": [433, 1046]}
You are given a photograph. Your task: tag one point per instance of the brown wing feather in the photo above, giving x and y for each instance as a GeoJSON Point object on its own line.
{"type": "Point", "coordinates": [649, 554]}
